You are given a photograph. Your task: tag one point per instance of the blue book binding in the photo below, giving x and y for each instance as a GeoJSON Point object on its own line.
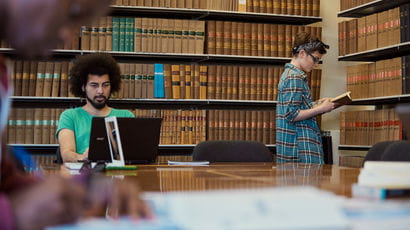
{"type": "Point", "coordinates": [159, 91]}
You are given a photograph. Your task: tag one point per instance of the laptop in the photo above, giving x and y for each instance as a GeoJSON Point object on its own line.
{"type": "Point", "coordinates": [135, 140]}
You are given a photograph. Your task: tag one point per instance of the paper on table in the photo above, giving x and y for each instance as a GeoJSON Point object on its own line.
{"type": "Point", "coordinates": [271, 208]}
{"type": "Point", "coordinates": [197, 163]}
{"type": "Point", "coordinates": [275, 208]}
{"type": "Point", "coordinates": [76, 165]}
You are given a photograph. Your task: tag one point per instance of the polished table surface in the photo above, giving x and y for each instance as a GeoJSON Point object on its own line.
{"type": "Point", "coordinates": [165, 178]}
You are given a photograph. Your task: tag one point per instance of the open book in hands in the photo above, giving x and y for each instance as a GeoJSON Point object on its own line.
{"type": "Point", "coordinates": [342, 99]}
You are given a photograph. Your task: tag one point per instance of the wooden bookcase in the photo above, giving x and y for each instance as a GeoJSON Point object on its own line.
{"type": "Point", "coordinates": [374, 55]}
{"type": "Point", "coordinates": [140, 57]}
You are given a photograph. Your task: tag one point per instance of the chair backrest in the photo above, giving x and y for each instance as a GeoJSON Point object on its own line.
{"type": "Point", "coordinates": [232, 151]}
{"type": "Point", "coordinates": [397, 151]}
{"type": "Point", "coordinates": [376, 151]}
{"type": "Point", "coordinates": [59, 158]}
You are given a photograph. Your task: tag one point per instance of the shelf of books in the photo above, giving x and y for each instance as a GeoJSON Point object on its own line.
{"type": "Point", "coordinates": [204, 14]}
{"type": "Point", "coordinates": [66, 102]}
{"type": "Point", "coordinates": [357, 9]}
{"type": "Point", "coordinates": [168, 57]}
{"type": "Point", "coordinates": [394, 99]}
{"type": "Point", "coordinates": [380, 37]}
{"type": "Point", "coordinates": [391, 51]}
{"type": "Point", "coordinates": [210, 69]}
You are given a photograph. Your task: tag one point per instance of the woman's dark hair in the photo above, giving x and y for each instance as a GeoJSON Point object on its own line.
{"type": "Point", "coordinates": [96, 64]}
{"type": "Point", "coordinates": [305, 41]}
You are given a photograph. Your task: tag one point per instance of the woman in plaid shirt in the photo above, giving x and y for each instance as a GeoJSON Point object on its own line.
{"type": "Point", "coordinates": [298, 136]}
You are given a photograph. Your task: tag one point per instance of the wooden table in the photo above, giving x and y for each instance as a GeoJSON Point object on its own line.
{"type": "Point", "coordinates": [167, 178]}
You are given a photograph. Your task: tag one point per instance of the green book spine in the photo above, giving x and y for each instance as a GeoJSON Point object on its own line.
{"type": "Point", "coordinates": [123, 39]}
{"type": "Point", "coordinates": [130, 32]}
{"type": "Point", "coordinates": [115, 33]}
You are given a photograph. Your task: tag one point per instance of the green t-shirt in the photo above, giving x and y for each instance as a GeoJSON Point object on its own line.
{"type": "Point", "coordinates": [79, 121]}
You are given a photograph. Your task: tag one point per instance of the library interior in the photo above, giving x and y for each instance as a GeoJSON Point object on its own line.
{"type": "Point", "coordinates": [269, 111]}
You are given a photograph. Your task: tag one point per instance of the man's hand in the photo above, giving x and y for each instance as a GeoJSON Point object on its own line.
{"type": "Point", "coordinates": [53, 201]}
{"type": "Point", "coordinates": [123, 198]}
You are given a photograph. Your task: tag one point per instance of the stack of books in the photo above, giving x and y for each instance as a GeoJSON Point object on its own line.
{"type": "Point", "coordinates": [383, 180]}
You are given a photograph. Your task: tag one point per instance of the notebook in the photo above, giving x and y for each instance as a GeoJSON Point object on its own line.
{"type": "Point", "coordinates": [137, 139]}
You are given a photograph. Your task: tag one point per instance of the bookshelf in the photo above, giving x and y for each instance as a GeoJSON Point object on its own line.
{"type": "Point", "coordinates": [387, 52]}
{"type": "Point", "coordinates": [370, 8]}
{"type": "Point", "coordinates": [382, 100]}
{"type": "Point", "coordinates": [167, 57]}
{"type": "Point", "coordinates": [65, 102]}
{"type": "Point", "coordinates": [388, 43]}
{"type": "Point", "coordinates": [203, 14]}
{"type": "Point", "coordinates": [171, 58]}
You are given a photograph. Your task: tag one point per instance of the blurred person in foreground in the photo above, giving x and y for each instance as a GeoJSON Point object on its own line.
{"type": "Point", "coordinates": [33, 27]}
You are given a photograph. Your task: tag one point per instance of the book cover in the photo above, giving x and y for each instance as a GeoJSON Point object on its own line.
{"type": "Point", "coordinates": [150, 81]}
{"type": "Point", "coordinates": [115, 34]}
{"type": "Point", "coordinates": [131, 88]}
{"type": "Point", "coordinates": [56, 79]}
{"type": "Point", "coordinates": [259, 39]}
{"type": "Point", "coordinates": [64, 80]}
{"type": "Point", "coordinates": [227, 30]}
{"type": "Point", "coordinates": [218, 82]}
{"type": "Point", "coordinates": [247, 36]}
{"type": "Point", "coordinates": [94, 35]}
{"type": "Point", "coordinates": [40, 79]}
{"type": "Point", "coordinates": [182, 82]}
{"type": "Point", "coordinates": [219, 37]}
{"type": "Point", "coordinates": [167, 81]}
{"type": "Point", "coordinates": [378, 193]}
{"type": "Point", "coordinates": [188, 82]}
{"type": "Point", "coordinates": [25, 84]}
{"type": "Point", "coordinates": [18, 78]}
{"type": "Point", "coordinates": [211, 37]}
{"type": "Point", "coordinates": [342, 99]}
{"type": "Point", "coordinates": [102, 32]}
{"type": "Point", "coordinates": [126, 81]}
{"type": "Point", "coordinates": [199, 37]}
{"type": "Point", "coordinates": [175, 82]}
{"type": "Point", "coordinates": [108, 34]}
{"type": "Point", "coordinates": [32, 78]}
{"type": "Point", "coordinates": [237, 38]}
{"type": "Point", "coordinates": [185, 36]}
{"type": "Point", "coordinates": [20, 125]}
{"type": "Point", "coordinates": [138, 80]}
{"type": "Point", "coordinates": [192, 36]}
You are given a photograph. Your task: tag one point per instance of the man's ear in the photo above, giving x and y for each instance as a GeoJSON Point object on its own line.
{"type": "Point", "coordinates": [83, 88]}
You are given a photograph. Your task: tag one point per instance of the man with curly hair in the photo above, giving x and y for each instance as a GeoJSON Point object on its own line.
{"type": "Point", "coordinates": [93, 77]}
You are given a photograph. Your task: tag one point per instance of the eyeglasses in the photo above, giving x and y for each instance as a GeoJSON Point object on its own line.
{"type": "Point", "coordinates": [315, 59]}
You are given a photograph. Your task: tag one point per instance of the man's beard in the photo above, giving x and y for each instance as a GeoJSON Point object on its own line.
{"type": "Point", "coordinates": [97, 105]}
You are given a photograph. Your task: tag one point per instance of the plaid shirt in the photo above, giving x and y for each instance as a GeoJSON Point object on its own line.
{"type": "Point", "coordinates": [298, 141]}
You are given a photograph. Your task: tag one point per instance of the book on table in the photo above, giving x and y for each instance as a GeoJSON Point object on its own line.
{"type": "Point", "coordinates": [383, 180]}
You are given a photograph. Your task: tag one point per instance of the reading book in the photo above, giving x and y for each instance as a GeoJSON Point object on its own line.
{"type": "Point", "coordinates": [342, 99]}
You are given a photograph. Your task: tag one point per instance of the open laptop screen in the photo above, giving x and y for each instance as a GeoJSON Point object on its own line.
{"type": "Point", "coordinates": [139, 139]}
